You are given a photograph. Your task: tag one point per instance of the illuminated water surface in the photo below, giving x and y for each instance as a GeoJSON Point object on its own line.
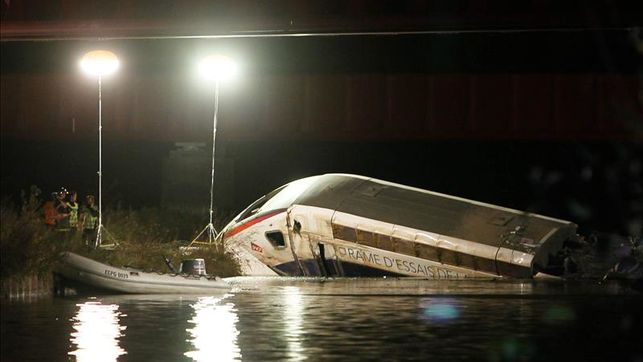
{"type": "Point", "coordinates": [96, 332]}
{"type": "Point", "coordinates": [214, 334]}
{"type": "Point", "coordinates": [313, 319]}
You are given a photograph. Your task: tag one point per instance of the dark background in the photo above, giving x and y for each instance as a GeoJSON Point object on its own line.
{"type": "Point", "coordinates": [533, 106]}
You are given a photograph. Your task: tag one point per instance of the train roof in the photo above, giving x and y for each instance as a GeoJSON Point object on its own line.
{"type": "Point", "coordinates": [426, 210]}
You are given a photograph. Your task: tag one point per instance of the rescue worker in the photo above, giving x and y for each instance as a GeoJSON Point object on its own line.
{"type": "Point", "coordinates": [72, 205]}
{"type": "Point", "coordinates": [89, 220]}
{"type": "Point", "coordinates": [62, 218]}
{"type": "Point", "coordinates": [50, 211]}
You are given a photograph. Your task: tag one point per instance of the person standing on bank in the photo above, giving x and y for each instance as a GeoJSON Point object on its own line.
{"type": "Point", "coordinates": [62, 222]}
{"type": "Point", "coordinates": [50, 211]}
{"type": "Point", "coordinates": [72, 205]}
{"type": "Point", "coordinates": [89, 220]}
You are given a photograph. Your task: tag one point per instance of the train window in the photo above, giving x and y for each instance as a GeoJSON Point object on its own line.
{"type": "Point", "coordinates": [289, 194]}
{"type": "Point", "coordinates": [257, 205]}
{"type": "Point", "coordinates": [276, 238]}
{"type": "Point", "coordinates": [280, 198]}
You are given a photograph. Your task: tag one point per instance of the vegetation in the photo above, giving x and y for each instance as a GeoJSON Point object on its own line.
{"type": "Point", "coordinates": [144, 237]}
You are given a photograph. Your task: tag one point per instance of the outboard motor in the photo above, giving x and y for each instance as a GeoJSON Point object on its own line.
{"type": "Point", "coordinates": [193, 267]}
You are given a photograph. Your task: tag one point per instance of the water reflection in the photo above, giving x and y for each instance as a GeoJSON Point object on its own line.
{"type": "Point", "coordinates": [96, 332]}
{"type": "Point", "coordinates": [440, 310]}
{"type": "Point", "coordinates": [295, 319]}
{"type": "Point", "coordinates": [293, 323]}
{"type": "Point", "coordinates": [214, 335]}
{"type": "Point", "coordinates": [559, 314]}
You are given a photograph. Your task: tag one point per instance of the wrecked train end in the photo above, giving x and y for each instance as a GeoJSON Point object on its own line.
{"type": "Point", "coordinates": [348, 225]}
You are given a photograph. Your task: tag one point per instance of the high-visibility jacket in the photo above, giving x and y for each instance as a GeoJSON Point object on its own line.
{"type": "Point", "coordinates": [73, 214]}
{"type": "Point", "coordinates": [91, 217]}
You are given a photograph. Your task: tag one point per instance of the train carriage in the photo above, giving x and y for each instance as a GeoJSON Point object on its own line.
{"type": "Point", "coordinates": [349, 225]}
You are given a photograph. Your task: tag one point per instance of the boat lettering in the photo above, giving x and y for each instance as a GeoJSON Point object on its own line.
{"type": "Point", "coordinates": [115, 274]}
{"type": "Point", "coordinates": [405, 266]}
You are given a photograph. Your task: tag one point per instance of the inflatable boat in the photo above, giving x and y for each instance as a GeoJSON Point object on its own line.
{"type": "Point", "coordinates": [78, 271]}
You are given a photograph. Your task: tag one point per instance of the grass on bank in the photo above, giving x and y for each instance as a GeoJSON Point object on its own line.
{"type": "Point", "coordinates": [145, 236]}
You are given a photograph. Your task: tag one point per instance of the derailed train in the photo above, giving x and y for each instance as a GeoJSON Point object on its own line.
{"type": "Point", "coordinates": [348, 225]}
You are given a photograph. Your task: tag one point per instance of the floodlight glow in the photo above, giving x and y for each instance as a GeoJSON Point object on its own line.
{"type": "Point", "coordinates": [214, 68]}
{"type": "Point", "coordinates": [99, 63]}
{"type": "Point", "coordinates": [218, 68]}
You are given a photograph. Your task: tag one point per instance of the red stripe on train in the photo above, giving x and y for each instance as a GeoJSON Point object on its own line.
{"type": "Point", "coordinates": [257, 219]}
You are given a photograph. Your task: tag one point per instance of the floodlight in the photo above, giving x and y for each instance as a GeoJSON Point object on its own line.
{"type": "Point", "coordinates": [218, 68]}
{"type": "Point", "coordinates": [99, 63]}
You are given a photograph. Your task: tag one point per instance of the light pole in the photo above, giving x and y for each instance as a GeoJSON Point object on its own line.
{"type": "Point", "coordinates": [99, 63]}
{"type": "Point", "coordinates": [214, 68]}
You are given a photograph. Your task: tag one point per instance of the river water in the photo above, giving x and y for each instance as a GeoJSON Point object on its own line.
{"type": "Point", "coordinates": [343, 319]}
